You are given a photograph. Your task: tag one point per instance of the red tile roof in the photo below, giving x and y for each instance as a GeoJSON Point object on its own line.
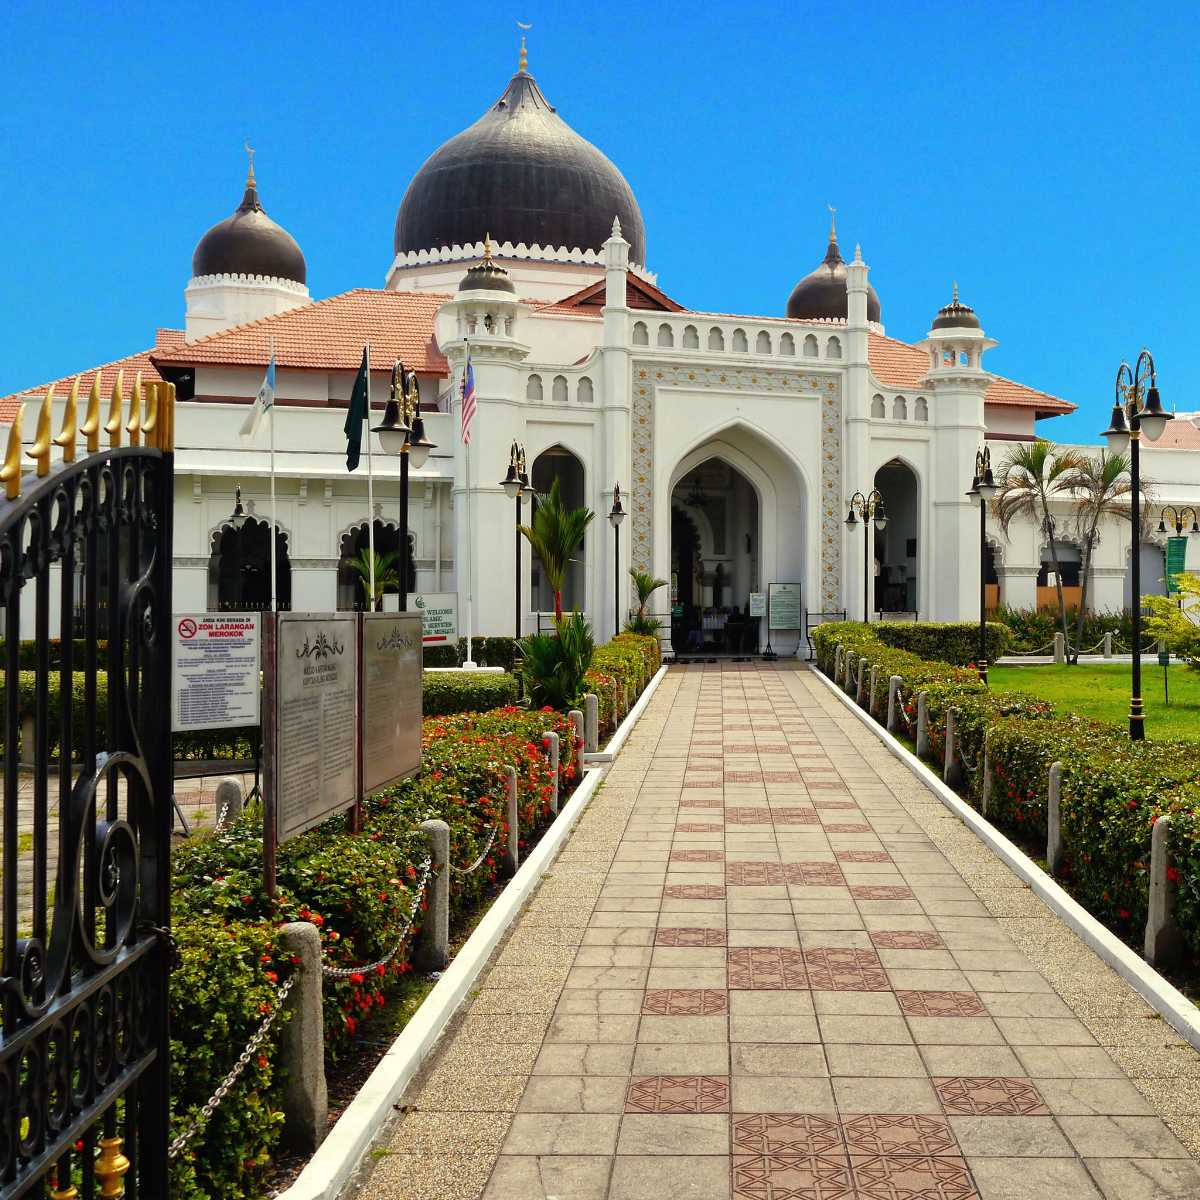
{"type": "Point", "coordinates": [328, 335]}
{"type": "Point", "coordinates": [1183, 433]}
{"type": "Point", "coordinates": [639, 294]}
{"type": "Point", "coordinates": [899, 365]}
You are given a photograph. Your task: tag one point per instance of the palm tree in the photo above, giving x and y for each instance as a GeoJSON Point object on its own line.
{"type": "Point", "coordinates": [646, 585]}
{"type": "Point", "coordinates": [1101, 488]}
{"type": "Point", "coordinates": [385, 575]}
{"type": "Point", "coordinates": [555, 535]}
{"type": "Point", "coordinates": [1032, 475]}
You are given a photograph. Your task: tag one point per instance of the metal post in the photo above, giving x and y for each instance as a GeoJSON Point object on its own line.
{"type": "Point", "coordinates": [518, 559]}
{"type": "Point", "coordinates": [1137, 716]}
{"type": "Point", "coordinates": [866, 568]}
{"type": "Point", "coordinates": [983, 665]}
{"type": "Point", "coordinates": [403, 530]}
{"type": "Point", "coordinates": [617, 580]}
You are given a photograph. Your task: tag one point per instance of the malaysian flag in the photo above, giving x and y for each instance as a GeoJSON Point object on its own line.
{"type": "Point", "coordinates": [468, 401]}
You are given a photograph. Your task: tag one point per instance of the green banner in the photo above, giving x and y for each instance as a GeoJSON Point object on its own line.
{"type": "Point", "coordinates": [1176, 557]}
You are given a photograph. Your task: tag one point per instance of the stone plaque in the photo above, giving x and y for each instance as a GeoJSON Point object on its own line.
{"type": "Point", "coordinates": [391, 697]}
{"type": "Point", "coordinates": [316, 694]}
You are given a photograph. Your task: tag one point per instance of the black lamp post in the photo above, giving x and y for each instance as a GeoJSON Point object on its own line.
{"type": "Point", "coordinates": [983, 488]}
{"type": "Point", "coordinates": [515, 484]}
{"type": "Point", "coordinates": [238, 517]}
{"type": "Point", "coordinates": [1178, 517]}
{"type": "Point", "coordinates": [867, 508]}
{"type": "Point", "coordinates": [1137, 408]}
{"type": "Point", "coordinates": [615, 516]}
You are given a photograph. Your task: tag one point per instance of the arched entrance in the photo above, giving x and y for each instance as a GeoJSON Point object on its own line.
{"type": "Point", "coordinates": [354, 545]}
{"type": "Point", "coordinates": [897, 564]}
{"type": "Point", "coordinates": [558, 463]}
{"type": "Point", "coordinates": [239, 569]}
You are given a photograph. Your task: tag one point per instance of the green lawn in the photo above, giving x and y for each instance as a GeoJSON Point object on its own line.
{"type": "Point", "coordinates": [1102, 693]}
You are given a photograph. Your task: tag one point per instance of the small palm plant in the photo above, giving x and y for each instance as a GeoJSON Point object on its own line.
{"type": "Point", "coordinates": [555, 535]}
{"type": "Point", "coordinates": [646, 585]}
{"type": "Point", "coordinates": [386, 575]}
{"type": "Point", "coordinates": [553, 667]}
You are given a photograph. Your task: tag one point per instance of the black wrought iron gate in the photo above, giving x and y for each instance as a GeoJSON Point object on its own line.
{"type": "Point", "coordinates": [84, 1071]}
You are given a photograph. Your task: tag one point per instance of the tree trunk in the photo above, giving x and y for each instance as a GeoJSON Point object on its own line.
{"type": "Point", "coordinates": [1062, 604]}
{"type": "Point", "coordinates": [1085, 574]}
{"type": "Point", "coordinates": [557, 607]}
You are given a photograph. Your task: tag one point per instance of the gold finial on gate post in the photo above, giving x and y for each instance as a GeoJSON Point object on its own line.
{"type": "Point", "coordinates": [134, 428]}
{"type": "Point", "coordinates": [69, 1192]}
{"type": "Point", "coordinates": [112, 426]}
{"type": "Point", "coordinates": [150, 421]}
{"type": "Point", "coordinates": [66, 439]}
{"type": "Point", "coordinates": [91, 422]}
{"type": "Point", "coordinates": [166, 418]}
{"type": "Point", "coordinates": [111, 1166]}
{"type": "Point", "coordinates": [10, 473]}
{"type": "Point", "coordinates": [40, 450]}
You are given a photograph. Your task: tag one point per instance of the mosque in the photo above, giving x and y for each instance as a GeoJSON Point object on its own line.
{"type": "Point", "coordinates": [737, 441]}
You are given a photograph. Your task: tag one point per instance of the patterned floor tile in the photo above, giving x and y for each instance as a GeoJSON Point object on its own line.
{"type": "Point", "coordinates": [754, 874]}
{"type": "Point", "coordinates": [701, 802]}
{"type": "Point", "coordinates": [785, 1133]}
{"type": "Point", "coordinates": [879, 891]}
{"type": "Point", "coordinates": [694, 891]}
{"type": "Point", "coordinates": [842, 827]}
{"type": "Point", "coordinates": [792, 1177]}
{"type": "Point", "coordinates": [697, 827]}
{"type": "Point", "coordinates": [993, 1097]}
{"type": "Point", "coordinates": [900, 1133]}
{"type": "Point", "coordinates": [747, 816]}
{"type": "Point", "coordinates": [854, 856]}
{"type": "Point", "coordinates": [781, 776]}
{"type": "Point", "coordinates": [941, 1004]}
{"type": "Point", "coordinates": [690, 937]}
{"type": "Point", "coordinates": [815, 874]}
{"type": "Point", "coordinates": [906, 939]}
{"type": "Point", "coordinates": [841, 956]}
{"type": "Point", "coordinates": [696, 856]}
{"type": "Point", "coordinates": [839, 969]}
{"type": "Point", "coordinates": [685, 1002]}
{"type": "Point", "coordinates": [795, 816]}
{"type": "Point", "coordinates": [743, 777]}
{"type": "Point", "coordinates": [903, 1177]}
{"type": "Point", "coordinates": [834, 805]}
{"type": "Point", "coordinates": [678, 1094]}
{"type": "Point", "coordinates": [766, 968]}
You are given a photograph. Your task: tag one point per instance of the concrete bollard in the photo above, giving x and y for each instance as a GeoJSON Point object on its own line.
{"type": "Point", "coordinates": [302, 1042]}
{"type": "Point", "coordinates": [986, 790]}
{"type": "Point", "coordinates": [893, 717]}
{"type": "Point", "coordinates": [1108, 645]}
{"type": "Point", "coordinates": [951, 767]}
{"type": "Point", "coordinates": [512, 851]}
{"type": "Point", "coordinates": [230, 801]}
{"type": "Point", "coordinates": [591, 723]}
{"type": "Point", "coordinates": [922, 724]}
{"type": "Point", "coordinates": [1054, 843]}
{"type": "Point", "coordinates": [848, 681]}
{"type": "Point", "coordinates": [871, 690]}
{"type": "Point", "coordinates": [1163, 942]}
{"type": "Point", "coordinates": [837, 663]}
{"type": "Point", "coordinates": [860, 680]}
{"type": "Point", "coordinates": [28, 740]}
{"type": "Point", "coordinates": [1060, 647]}
{"type": "Point", "coordinates": [550, 741]}
{"type": "Point", "coordinates": [577, 721]}
{"type": "Point", "coordinates": [432, 951]}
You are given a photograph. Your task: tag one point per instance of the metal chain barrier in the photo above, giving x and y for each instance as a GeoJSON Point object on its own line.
{"type": "Point", "coordinates": [972, 768]}
{"type": "Point", "coordinates": [238, 1067]}
{"type": "Point", "coordinates": [479, 861]}
{"type": "Point", "coordinates": [368, 968]}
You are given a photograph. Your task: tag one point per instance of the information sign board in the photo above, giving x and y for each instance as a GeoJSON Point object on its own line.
{"type": "Point", "coordinates": [312, 767]}
{"type": "Point", "coordinates": [439, 617]}
{"type": "Point", "coordinates": [1176, 560]}
{"type": "Point", "coordinates": [214, 671]}
{"type": "Point", "coordinates": [784, 605]}
{"type": "Point", "coordinates": [758, 604]}
{"type": "Point", "coordinates": [391, 698]}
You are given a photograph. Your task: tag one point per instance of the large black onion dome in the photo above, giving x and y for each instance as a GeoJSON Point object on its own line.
{"type": "Point", "coordinates": [955, 315]}
{"type": "Point", "coordinates": [822, 296]}
{"type": "Point", "coordinates": [249, 243]}
{"type": "Point", "coordinates": [485, 276]}
{"type": "Point", "coordinates": [524, 174]}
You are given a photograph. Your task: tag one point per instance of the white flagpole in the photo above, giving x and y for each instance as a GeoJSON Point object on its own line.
{"type": "Point", "coordinates": [274, 521]}
{"type": "Point", "coordinates": [370, 493]}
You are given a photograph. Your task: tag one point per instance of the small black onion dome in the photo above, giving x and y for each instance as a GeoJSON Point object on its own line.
{"type": "Point", "coordinates": [524, 172]}
{"type": "Point", "coordinates": [956, 316]}
{"type": "Point", "coordinates": [485, 276]}
{"type": "Point", "coordinates": [249, 243]}
{"type": "Point", "coordinates": [822, 295]}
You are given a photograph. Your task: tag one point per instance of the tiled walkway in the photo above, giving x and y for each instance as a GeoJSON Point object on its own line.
{"type": "Point", "coordinates": [770, 965]}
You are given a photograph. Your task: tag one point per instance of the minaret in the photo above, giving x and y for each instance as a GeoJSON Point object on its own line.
{"type": "Point", "coordinates": [616, 422]}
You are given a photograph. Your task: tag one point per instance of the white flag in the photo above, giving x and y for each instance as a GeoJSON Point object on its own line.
{"type": "Point", "coordinates": [262, 402]}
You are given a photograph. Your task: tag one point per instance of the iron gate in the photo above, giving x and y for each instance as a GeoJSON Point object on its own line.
{"type": "Point", "coordinates": [84, 1082]}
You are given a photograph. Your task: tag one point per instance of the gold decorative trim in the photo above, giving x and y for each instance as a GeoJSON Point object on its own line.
{"type": "Point", "coordinates": [111, 1166]}
{"type": "Point", "coordinates": [112, 427]}
{"type": "Point", "coordinates": [10, 473]}
{"type": "Point", "coordinates": [40, 450]}
{"type": "Point", "coordinates": [66, 439]}
{"type": "Point", "coordinates": [90, 428]}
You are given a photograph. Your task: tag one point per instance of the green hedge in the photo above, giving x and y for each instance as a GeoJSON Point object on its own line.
{"type": "Point", "coordinates": [952, 642]}
{"type": "Point", "coordinates": [1112, 792]}
{"type": "Point", "coordinates": [621, 668]}
{"type": "Point", "coordinates": [490, 651]}
{"type": "Point", "coordinates": [28, 653]}
{"type": "Point", "coordinates": [466, 691]}
{"type": "Point", "coordinates": [439, 656]}
{"type": "Point", "coordinates": [1034, 629]}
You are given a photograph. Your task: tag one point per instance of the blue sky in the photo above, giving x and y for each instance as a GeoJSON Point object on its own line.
{"type": "Point", "coordinates": [1044, 155]}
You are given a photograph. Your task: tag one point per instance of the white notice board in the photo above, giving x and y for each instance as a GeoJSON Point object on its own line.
{"type": "Point", "coordinates": [783, 605]}
{"type": "Point", "coordinates": [214, 671]}
{"type": "Point", "coordinates": [758, 604]}
{"type": "Point", "coordinates": [439, 617]}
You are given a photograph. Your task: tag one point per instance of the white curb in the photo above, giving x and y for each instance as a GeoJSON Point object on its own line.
{"type": "Point", "coordinates": [1166, 1000]}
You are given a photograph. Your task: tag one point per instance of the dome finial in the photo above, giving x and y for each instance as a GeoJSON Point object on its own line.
{"type": "Point", "coordinates": [250, 154]}
{"type": "Point", "coordinates": [955, 300]}
{"type": "Point", "coordinates": [832, 222]}
{"type": "Point", "coordinates": [487, 249]}
{"type": "Point", "coordinates": [523, 65]}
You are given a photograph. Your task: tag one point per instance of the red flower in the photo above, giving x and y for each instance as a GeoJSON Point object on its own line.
{"type": "Point", "coordinates": [356, 977]}
{"type": "Point", "coordinates": [351, 1024]}
{"type": "Point", "coordinates": [272, 976]}
{"type": "Point", "coordinates": [1172, 874]}
{"type": "Point", "coordinates": [1123, 913]}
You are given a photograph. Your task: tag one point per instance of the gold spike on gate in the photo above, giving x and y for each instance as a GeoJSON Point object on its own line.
{"type": "Point", "coordinates": [112, 426]}
{"type": "Point", "coordinates": [68, 1192]}
{"type": "Point", "coordinates": [40, 450]}
{"type": "Point", "coordinates": [111, 1166]}
{"type": "Point", "coordinates": [90, 428]}
{"type": "Point", "coordinates": [134, 428]}
{"type": "Point", "coordinates": [150, 429]}
{"type": "Point", "coordinates": [10, 473]}
{"type": "Point", "coordinates": [166, 417]}
{"type": "Point", "coordinates": [66, 439]}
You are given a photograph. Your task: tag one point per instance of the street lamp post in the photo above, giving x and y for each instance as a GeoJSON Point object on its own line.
{"type": "Point", "coordinates": [1179, 517]}
{"type": "Point", "coordinates": [1137, 408]}
{"type": "Point", "coordinates": [616, 516]}
{"type": "Point", "coordinates": [867, 508]}
{"type": "Point", "coordinates": [983, 488]}
{"type": "Point", "coordinates": [515, 484]}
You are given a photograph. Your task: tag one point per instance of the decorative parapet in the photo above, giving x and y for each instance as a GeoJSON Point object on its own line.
{"type": "Point", "coordinates": [272, 281]}
{"type": "Point", "coordinates": [534, 253]}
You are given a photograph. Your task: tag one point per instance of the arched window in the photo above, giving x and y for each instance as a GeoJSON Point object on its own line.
{"type": "Point", "coordinates": [559, 391]}
{"type": "Point", "coordinates": [740, 344]}
{"type": "Point", "coordinates": [877, 408]}
{"type": "Point", "coordinates": [810, 346]}
{"type": "Point", "coordinates": [897, 549]}
{"type": "Point", "coordinates": [665, 336]}
{"type": "Point", "coordinates": [833, 348]}
{"type": "Point", "coordinates": [239, 569]}
{"type": "Point", "coordinates": [533, 388]}
{"type": "Point", "coordinates": [354, 548]}
{"type": "Point", "coordinates": [762, 343]}
{"type": "Point", "coordinates": [922, 409]}
{"type": "Point", "coordinates": [787, 344]}
{"type": "Point", "coordinates": [899, 409]}
{"type": "Point", "coordinates": [584, 393]}
{"type": "Point", "coordinates": [691, 339]}
{"type": "Point", "coordinates": [716, 339]}
{"type": "Point", "coordinates": [559, 463]}
{"type": "Point", "coordinates": [641, 335]}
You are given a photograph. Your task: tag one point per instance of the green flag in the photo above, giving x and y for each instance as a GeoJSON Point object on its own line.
{"type": "Point", "coordinates": [357, 414]}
